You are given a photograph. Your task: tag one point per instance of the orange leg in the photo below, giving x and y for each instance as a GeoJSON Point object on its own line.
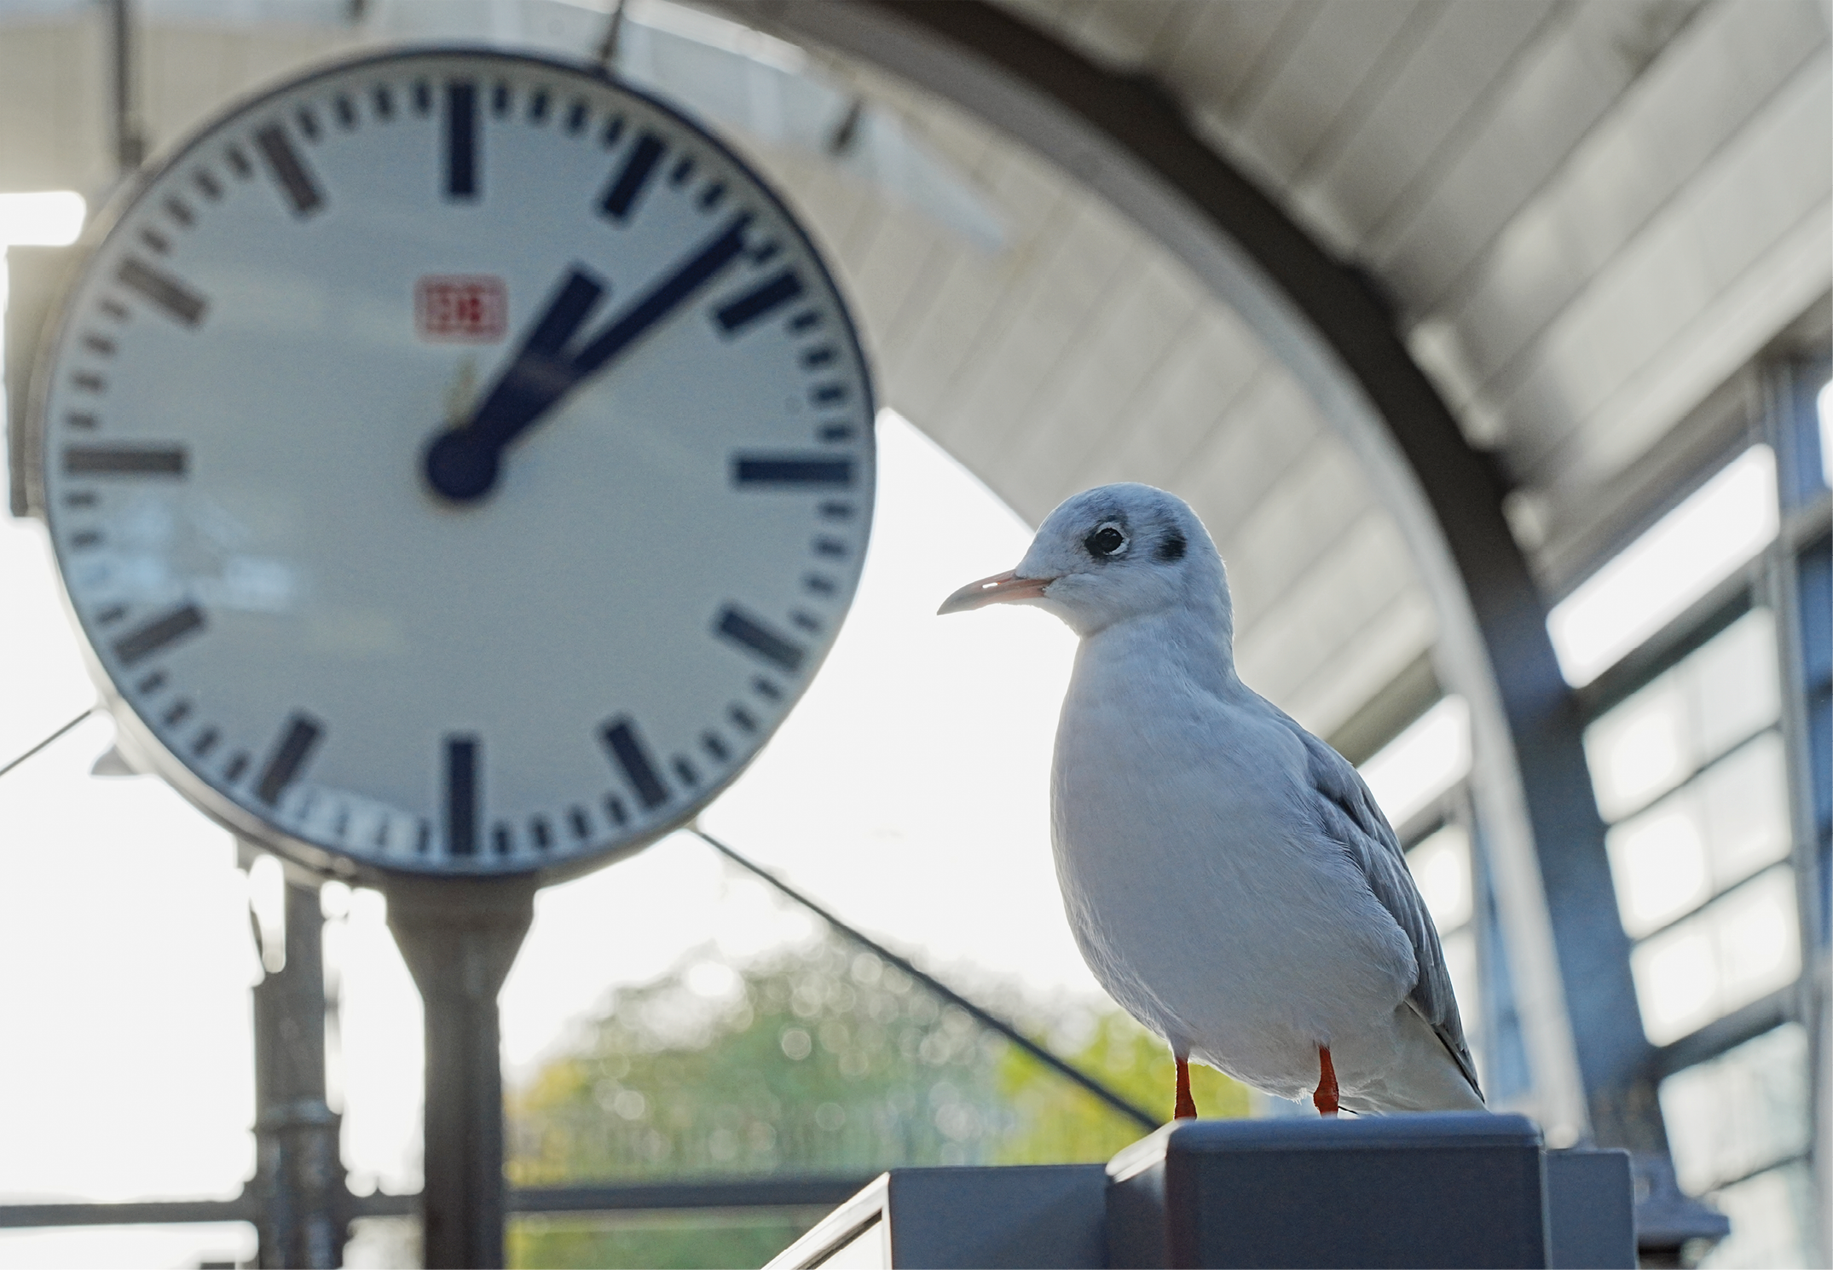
{"type": "Point", "coordinates": [1325, 1097]}
{"type": "Point", "coordinates": [1186, 1105]}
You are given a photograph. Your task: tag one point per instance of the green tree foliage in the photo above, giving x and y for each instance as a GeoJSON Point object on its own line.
{"type": "Point", "coordinates": [824, 1060]}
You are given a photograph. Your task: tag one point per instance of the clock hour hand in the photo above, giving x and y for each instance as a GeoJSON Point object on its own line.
{"type": "Point", "coordinates": [462, 462]}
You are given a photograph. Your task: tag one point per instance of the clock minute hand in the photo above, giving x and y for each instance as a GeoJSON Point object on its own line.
{"type": "Point", "coordinates": [462, 462]}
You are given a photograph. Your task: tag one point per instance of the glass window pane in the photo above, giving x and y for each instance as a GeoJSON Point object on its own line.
{"type": "Point", "coordinates": [1720, 695]}
{"type": "Point", "coordinates": [1660, 863]}
{"type": "Point", "coordinates": [1733, 684]}
{"type": "Point", "coordinates": [1441, 870]}
{"type": "Point", "coordinates": [1641, 749]}
{"type": "Point", "coordinates": [1733, 951]}
{"type": "Point", "coordinates": [1759, 948]}
{"type": "Point", "coordinates": [1743, 1110]}
{"type": "Point", "coordinates": [1745, 799]}
{"type": "Point", "coordinates": [1676, 976]}
{"type": "Point", "coordinates": [1771, 1221]}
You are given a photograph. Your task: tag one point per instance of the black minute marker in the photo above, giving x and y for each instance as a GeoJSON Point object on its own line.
{"type": "Point", "coordinates": [461, 795]}
{"type": "Point", "coordinates": [286, 167]}
{"type": "Point", "coordinates": [144, 641]}
{"type": "Point", "coordinates": [629, 753]}
{"type": "Point", "coordinates": [178, 301]}
{"type": "Point", "coordinates": [759, 302]}
{"type": "Point", "coordinates": [749, 633]}
{"type": "Point", "coordinates": [301, 737]}
{"type": "Point", "coordinates": [461, 140]}
{"type": "Point", "coordinates": [627, 186]}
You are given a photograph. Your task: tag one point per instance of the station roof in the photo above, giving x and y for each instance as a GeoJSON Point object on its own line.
{"type": "Point", "coordinates": [1586, 220]}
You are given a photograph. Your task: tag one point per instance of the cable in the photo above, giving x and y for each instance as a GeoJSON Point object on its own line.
{"type": "Point", "coordinates": [41, 745]}
{"type": "Point", "coordinates": [986, 1018]}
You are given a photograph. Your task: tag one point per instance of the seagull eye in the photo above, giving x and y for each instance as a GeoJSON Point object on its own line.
{"type": "Point", "coordinates": [1107, 541]}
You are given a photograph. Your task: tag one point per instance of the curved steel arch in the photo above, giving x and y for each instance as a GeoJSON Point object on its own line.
{"type": "Point", "coordinates": [1125, 138]}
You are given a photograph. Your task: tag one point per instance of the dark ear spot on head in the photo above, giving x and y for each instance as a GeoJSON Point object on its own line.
{"type": "Point", "coordinates": [1172, 548]}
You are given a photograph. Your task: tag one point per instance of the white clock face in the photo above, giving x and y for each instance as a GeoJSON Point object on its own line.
{"type": "Point", "coordinates": [457, 462]}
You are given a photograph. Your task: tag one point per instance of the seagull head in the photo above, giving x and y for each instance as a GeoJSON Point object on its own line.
{"type": "Point", "coordinates": [1110, 554]}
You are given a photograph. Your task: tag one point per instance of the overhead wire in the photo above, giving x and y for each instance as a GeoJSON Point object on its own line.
{"type": "Point", "coordinates": [980, 1014]}
{"type": "Point", "coordinates": [42, 744]}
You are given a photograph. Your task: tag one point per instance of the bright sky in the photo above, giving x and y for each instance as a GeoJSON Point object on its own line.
{"type": "Point", "coordinates": [907, 791]}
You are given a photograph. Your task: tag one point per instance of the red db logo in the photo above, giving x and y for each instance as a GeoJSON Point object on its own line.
{"type": "Point", "coordinates": [470, 308]}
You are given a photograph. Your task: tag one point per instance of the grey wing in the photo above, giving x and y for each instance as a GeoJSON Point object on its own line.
{"type": "Point", "coordinates": [1351, 817]}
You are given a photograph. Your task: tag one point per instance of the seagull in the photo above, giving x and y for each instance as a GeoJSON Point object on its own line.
{"type": "Point", "coordinates": [1228, 876]}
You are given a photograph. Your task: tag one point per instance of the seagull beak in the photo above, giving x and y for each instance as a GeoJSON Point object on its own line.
{"type": "Point", "coordinates": [1001, 588]}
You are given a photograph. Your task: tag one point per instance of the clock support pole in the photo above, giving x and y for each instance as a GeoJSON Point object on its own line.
{"type": "Point", "coordinates": [459, 937]}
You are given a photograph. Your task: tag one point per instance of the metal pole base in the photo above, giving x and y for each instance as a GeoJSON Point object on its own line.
{"type": "Point", "coordinates": [459, 938]}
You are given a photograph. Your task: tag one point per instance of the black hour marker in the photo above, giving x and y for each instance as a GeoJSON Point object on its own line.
{"type": "Point", "coordinates": [180, 303]}
{"type": "Point", "coordinates": [791, 469]}
{"type": "Point", "coordinates": [742, 718]}
{"type": "Point", "coordinates": [779, 289]}
{"type": "Point", "coordinates": [110, 615]}
{"type": "Point", "coordinates": [582, 823]}
{"type": "Point", "coordinates": [765, 689]}
{"type": "Point", "coordinates": [576, 118]}
{"type": "Point", "coordinates": [537, 106]}
{"type": "Point", "coordinates": [806, 320]}
{"type": "Point", "coordinates": [143, 642]}
{"type": "Point", "coordinates": [830, 547]}
{"type": "Point", "coordinates": [819, 583]}
{"type": "Point", "coordinates": [499, 838]}
{"type": "Point", "coordinates": [614, 808]}
{"type": "Point", "coordinates": [621, 195]}
{"type": "Point", "coordinates": [461, 140]}
{"type": "Point", "coordinates": [99, 344]}
{"type": "Point", "coordinates": [156, 240]}
{"type": "Point", "coordinates": [82, 420]}
{"type": "Point", "coordinates": [461, 795]}
{"type": "Point", "coordinates": [423, 840]}
{"type": "Point", "coordinates": [828, 394]}
{"type": "Point", "coordinates": [87, 538]}
{"type": "Point", "coordinates": [82, 498]}
{"type": "Point", "coordinates": [539, 831]}
{"type": "Point", "coordinates": [384, 99]}
{"type": "Point", "coordinates": [806, 620]}
{"type": "Point", "coordinates": [179, 212]}
{"type": "Point", "coordinates": [765, 253]}
{"type": "Point", "coordinates": [237, 766]}
{"type": "Point", "coordinates": [238, 162]}
{"type": "Point", "coordinates": [710, 742]}
{"type": "Point", "coordinates": [753, 636]}
{"type": "Point", "coordinates": [287, 168]}
{"type": "Point", "coordinates": [88, 381]}
{"type": "Point", "coordinates": [683, 170]}
{"type": "Point", "coordinates": [206, 741]}
{"type": "Point", "coordinates": [113, 308]}
{"type": "Point", "coordinates": [208, 184]}
{"type": "Point", "coordinates": [499, 99]}
{"type": "Point", "coordinates": [176, 715]}
{"type": "Point", "coordinates": [685, 770]}
{"type": "Point", "coordinates": [151, 683]}
{"type": "Point", "coordinates": [614, 128]}
{"type": "Point", "coordinates": [124, 460]}
{"type": "Point", "coordinates": [820, 355]}
{"type": "Point", "coordinates": [289, 757]}
{"type": "Point", "coordinates": [627, 749]}
{"type": "Point", "coordinates": [835, 433]}
{"type": "Point", "coordinates": [710, 197]}
{"type": "Point", "coordinates": [423, 97]}
{"type": "Point", "coordinates": [837, 511]}
{"type": "Point", "coordinates": [308, 123]}
{"type": "Point", "coordinates": [346, 112]}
